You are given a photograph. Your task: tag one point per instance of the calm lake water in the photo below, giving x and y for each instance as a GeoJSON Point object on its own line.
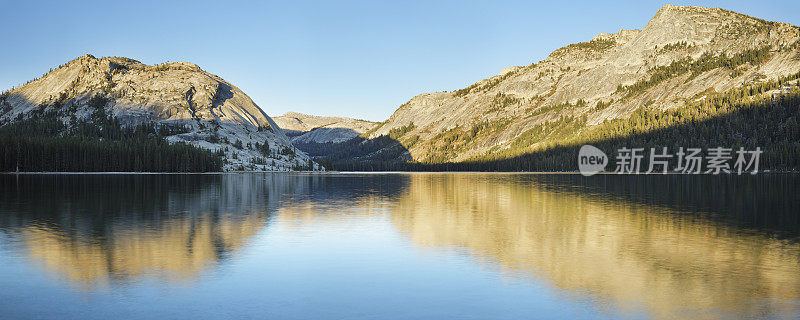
{"type": "Point", "coordinates": [404, 246]}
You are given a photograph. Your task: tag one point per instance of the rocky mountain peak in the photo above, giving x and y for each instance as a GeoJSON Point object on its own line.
{"type": "Point", "coordinates": [221, 116]}
{"type": "Point", "coordinates": [588, 80]}
{"type": "Point", "coordinates": [181, 65]}
{"type": "Point", "coordinates": [292, 114]}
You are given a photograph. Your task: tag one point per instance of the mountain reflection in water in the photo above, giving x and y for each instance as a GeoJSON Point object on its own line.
{"type": "Point", "coordinates": [96, 230]}
{"type": "Point", "coordinates": [662, 246]}
{"type": "Point", "coordinates": [602, 236]}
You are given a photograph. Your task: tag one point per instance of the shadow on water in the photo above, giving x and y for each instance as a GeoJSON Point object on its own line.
{"type": "Point", "coordinates": [765, 203]}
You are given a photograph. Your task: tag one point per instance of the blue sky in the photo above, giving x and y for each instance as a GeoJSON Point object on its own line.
{"type": "Point", "coordinates": [349, 58]}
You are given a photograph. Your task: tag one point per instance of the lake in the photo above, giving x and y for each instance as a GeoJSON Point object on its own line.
{"type": "Point", "coordinates": [399, 246]}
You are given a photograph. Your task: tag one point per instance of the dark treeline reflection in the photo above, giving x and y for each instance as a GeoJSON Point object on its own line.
{"type": "Point", "coordinates": [97, 229]}
{"type": "Point", "coordinates": [766, 203]}
{"type": "Point", "coordinates": [345, 189]}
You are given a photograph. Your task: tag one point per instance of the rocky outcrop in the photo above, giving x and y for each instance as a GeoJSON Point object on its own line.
{"type": "Point", "coordinates": [220, 117]}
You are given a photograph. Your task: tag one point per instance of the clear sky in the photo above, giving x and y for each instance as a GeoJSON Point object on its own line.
{"type": "Point", "coordinates": [355, 59]}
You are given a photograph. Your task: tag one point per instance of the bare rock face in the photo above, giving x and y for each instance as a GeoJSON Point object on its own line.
{"type": "Point", "coordinates": [220, 116]}
{"type": "Point", "coordinates": [576, 80]}
{"type": "Point", "coordinates": [303, 128]}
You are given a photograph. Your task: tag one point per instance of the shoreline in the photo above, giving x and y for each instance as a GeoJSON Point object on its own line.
{"type": "Point", "coordinates": [769, 172]}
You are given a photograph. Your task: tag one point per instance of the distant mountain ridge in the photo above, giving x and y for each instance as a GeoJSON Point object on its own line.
{"type": "Point", "coordinates": [304, 128]}
{"type": "Point", "coordinates": [214, 114]}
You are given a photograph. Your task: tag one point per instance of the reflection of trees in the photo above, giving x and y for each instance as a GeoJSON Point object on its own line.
{"type": "Point", "coordinates": [633, 254]}
{"type": "Point", "coordinates": [98, 229]}
{"type": "Point", "coordinates": [95, 230]}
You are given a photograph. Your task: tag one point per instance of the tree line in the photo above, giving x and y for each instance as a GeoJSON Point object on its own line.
{"type": "Point", "coordinates": [705, 63]}
{"type": "Point", "coordinates": [751, 117]}
{"type": "Point", "coordinates": [43, 142]}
